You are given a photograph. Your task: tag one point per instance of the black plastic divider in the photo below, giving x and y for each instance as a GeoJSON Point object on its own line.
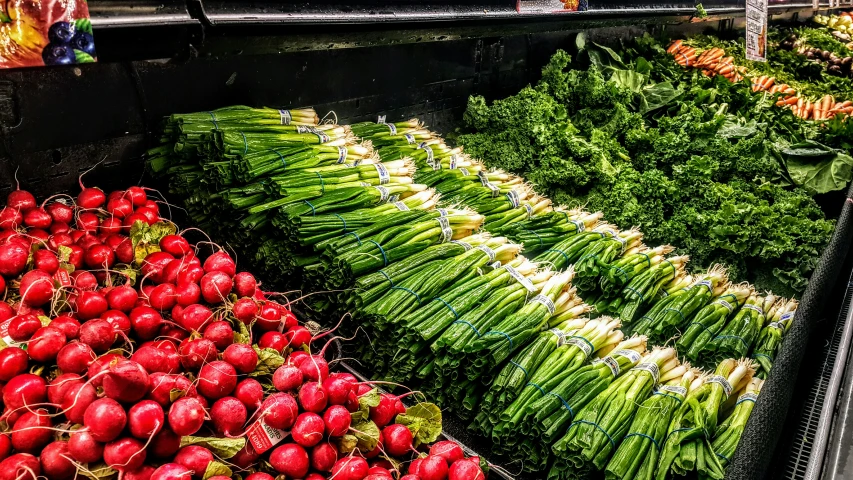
{"type": "Point", "coordinates": [758, 443]}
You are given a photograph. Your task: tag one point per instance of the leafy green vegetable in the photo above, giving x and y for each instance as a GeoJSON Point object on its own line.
{"type": "Point", "coordinates": [268, 362]}
{"type": "Point", "coordinates": [818, 168]}
{"type": "Point", "coordinates": [221, 447]}
{"type": "Point", "coordinates": [423, 420]}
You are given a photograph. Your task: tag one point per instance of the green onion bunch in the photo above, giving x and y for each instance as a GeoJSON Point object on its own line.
{"type": "Point", "coordinates": [704, 325]}
{"type": "Point", "coordinates": [770, 337]}
{"type": "Point", "coordinates": [738, 336]}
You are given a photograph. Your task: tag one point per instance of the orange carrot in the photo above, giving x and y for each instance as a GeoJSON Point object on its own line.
{"type": "Point", "coordinates": [673, 46]}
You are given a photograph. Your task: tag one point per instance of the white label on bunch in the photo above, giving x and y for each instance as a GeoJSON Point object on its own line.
{"type": "Point", "coordinates": [677, 389]}
{"type": "Point", "coordinates": [651, 368]}
{"type": "Point", "coordinates": [442, 212]}
{"type": "Point", "coordinates": [286, 118]}
{"type": "Point", "coordinates": [342, 154]}
{"type": "Point", "coordinates": [561, 336]}
{"type": "Point", "coordinates": [303, 129]}
{"type": "Point", "coordinates": [581, 343]}
{"type": "Point", "coordinates": [512, 196]}
{"type": "Point", "coordinates": [755, 308]}
{"type": "Point", "coordinates": [727, 387]}
{"type": "Point", "coordinates": [629, 354]}
{"type": "Point", "coordinates": [747, 397]}
{"type": "Point", "coordinates": [524, 281]}
{"type": "Point", "coordinates": [580, 225]}
{"type": "Point", "coordinates": [464, 171]}
{"type": "Point", "coordinates": [466, 246]}
{"type": "Point", "coordinates": [383, 192]}
{"type": "Point", "coordinates": [392, 128]}
{"type": "Point", "coordinates": [544, 300]}
{"type": "Point", "coordinates": [612, 364]}
{"type": "Point", "coordinates": [394, 198]}
{"type": "Point", "coordinates": [446, 231]}
{"type": "Point", "coordinates": [704, 283]}
{"type": "Point", "coordinates": [384, 176]}
{"type": "Point", "coordinates": [263, 437]}
{"type": "Point", "coordinates": [410, 138]}
{"type": "Point", "coordinates": [529, 210]}
{"type": "Point", "coordinates": [453, 159]}
{"type": "Point", "coordinates": [489, 252]}
{"type": "Point", "coordinates": [401, 206]}
{"type": "Point", "coordinates": [381, 118]}
{"type": "Point", "coordinates": [777, 325]}
{"type": "Point", "coordinates": [725, 304]}
{"type": "Point", "coordinates": [786, 316]}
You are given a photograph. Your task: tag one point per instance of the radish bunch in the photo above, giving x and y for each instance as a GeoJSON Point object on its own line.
{"type": "Point", "coordinates": [126, 353]}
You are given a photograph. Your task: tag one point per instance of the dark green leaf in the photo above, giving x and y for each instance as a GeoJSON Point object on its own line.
{"type": "Point", "coordinates": [224, 448]}
{"type": "Point", "coordinates": [268, 361]}
{"type": "Point", "coordinates": [424, 421]}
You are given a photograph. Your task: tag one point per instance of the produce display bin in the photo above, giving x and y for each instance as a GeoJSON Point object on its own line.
{"type": "Point", "coordinates": [400, 59]}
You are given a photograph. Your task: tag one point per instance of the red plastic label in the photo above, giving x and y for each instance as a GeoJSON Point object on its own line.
{"type": "Point", "coordinates": [262, 437]}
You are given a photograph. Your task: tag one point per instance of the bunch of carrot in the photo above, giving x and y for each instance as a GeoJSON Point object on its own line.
{"type": "Point", "coordinates": [714, 62]}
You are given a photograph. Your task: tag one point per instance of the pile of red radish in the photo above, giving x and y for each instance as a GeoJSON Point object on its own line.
{"type": "Point", "coordinates": [125, 354]}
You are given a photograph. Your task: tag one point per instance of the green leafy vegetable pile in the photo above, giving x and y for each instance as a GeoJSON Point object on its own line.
{"type": "Point", "coordinates": [692, 161]}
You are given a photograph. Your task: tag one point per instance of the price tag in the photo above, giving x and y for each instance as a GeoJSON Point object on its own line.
{"type": "Point", "coordinates": [728, 306]}
{"type": "Point", "coordinates": [263, 437]}
{"type": "Point", "coordinates": [4, 332]}
{"type": "Point", "coordinates": [383, 193]}
{"type": "Point", "coordinates": [464, 171]}
{"type": "Point", "coordinates": [384, 176]}
{"type": "Point", "coordinates": [453, 159]}
{"type": "Point", "coordinates": [410, 138]}
{"type": "Point", "coordinates": [676, 389]}
{"type": "Point", "coordinates": [727, 387]}
{"type": "Point", "coordinates": [787, 316]}
{"type": "Point", "coordinates": [612, 364]}
{"type": "Point", "coordinates": [489, 252]}
{"type": "Point", "coordinates": [442, 212]}
{"type": "Point", "coordinates": [777, 326]}
{"type": "Point", "coordinates": [578, 224]}
{"type": "Point", "coordinates": [704, 283]}
{"type": "Point", "coordinates": [286, 118]}
{"type": "Point", "coordinates": [342, 154]}
{"type": "Point", "coordinates": [754, 308]}
{"type": "Point", "coordinates": [512, 196]}
{"type": "Point", "coordinates": [466, 246]}
{"type": "Point", "coordinates": [381, 118]}
{"type": "Point", "coordinates": [549, 304]}
{"type": "Point", "coordinates": [561, 336]}
{"type": "Point", "coordinates": [524, 281]}
{"type": "Point", "coordinates": [651, 368]}
{"type": "Point", "coordinates": [401, 206]}
{"type": "Point", "coordinates": [748, 397]}
{"type": "Point", "coordinates": [446, 231]}
{"type": "Point", "coordinates": [629, 354]}
{"type": "Point", "coordinates": [756, 30]}
{"type": "Point", "coordinates": [529, 210]}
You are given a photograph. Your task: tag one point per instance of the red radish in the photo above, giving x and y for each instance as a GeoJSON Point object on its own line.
{"type": "Point", "coordinates": [217, 379]}
{"type": "Point", "coordinates": [74, 357]}
{"type": "Point", "coordinates": [155, 360]}
{"type": "Point", "coordinates": [98, 334]}
{"type": "Point", "coordinates": [46, 261]}
{"type": "Point", "coordinates": [186, 416]}
{"type": "Point", "coordinates": [88, 222]}
{"type": "Point", "coordinates": [126, 381]}
{"type": "Point", "coordinates": [99, 367]}
{"type": "Point", "coordinates": [45, 344]}
{"type": "Point", "coordinates": [187, 294]}
{"type": "Point", "coordinates": [21, 199]}
{"type": "Point", "coordinates": [196, 317]}
{"type": "Point", "coordinates": [315, 476]}
{"type": "Point", "coordinates": [195, 458]}
{"type": "Point", "coordinates": [55, 463]}
{"type": "Point", "coordinates": [220, 262]}
{"type": "Point", "coordinates": [172, 471]}
{"type": "Point", "coordinates": [60, 213]}
{"type": "Point", "coordinates": [125, 454]}
{"type": "Point", "coordinates": [105, 419]}
{"type": "Point", "coordinates": [84, 448]}
{"type": "Point", "coordinates": [379, 471]}
{"type": "Point", "coordinates": [165, 444]}
{"type": "Point", "coordinates": [91, 305]}
{"type": "Point", "coordinates": [312, 397]}
{"type": "Point", "coordinates": [22, 327]}
{"type": "Point", "coordinates": [124, 251]}
{"type": "Point", "coordinates": [245, 310]}
{"type": "Point", "coordinates": [270, 317]}
{"type": "Point", "coordinates": [68, 325]}
{"type": "Point", "coordinates": [242, 357]}
{"type": "Point", "coordinates": [337, 389]}
{"type": "Point", "coordinates": [198, 352]}
{"type": "Point", "coordinates": [298, 336]}
{"type": "Point", "coordinates": [150, 215]}
{"type": "Point", "coordinates": [111, 225]}
{"type": "Point", "coordinates": [90, 197]}
{"type": "Point", "coordinates": [289, 319]}
{"type": "Point", "coordinates": [99, 256]}
{"type": "Point", "coordinates": [287, 378]}
{"type": "Point", "coordinates": [410, 477]}
{"type": "Point", "coordinates": [177, 312]}
{"type": "Point", "coordinates": [433, 468]}
{"type": "Point", "coordinates": [250, 392]}
{"type": "Point", "coordinates": [297, 357]}
{"type": "Point", "coordinates": [119, 207]}
{"type": "Point", "coordinates": [262, 476]}
{"type": "Point", "coordinates": [324, 456]}
{"type": "Point", "coordinates": [215, 287]}
{"type": "Point", "coordinates": [190, 274]}
{"type": "Point", "coordinates": [220, 333]}
{"type": "Point", "coordinates": [383, 413]}
{"type": "Point", "coordinates": [136, 195]}
{"type": "Point", "coordinates": [10, 218]}
{"type": "Point", "coordinates": [162, 385]}
{"type": "Point", "coordinates": [84, 280]}
{"type": "Point", "coordinates": [273, 340]}
{"type": "Point", "coordinates": [36, 288]}
{"type": "Point", "coordinates": [337, 420]}
{"type": "Point", "coordinates": [415, 466]}
{"type": "Point", "coordinates": [154, 264]}
{"type": "Point", "coordinates": [350, 468]}
{"type": "Point", "coordinates": [143, 473]}
{"type": "Point", "coordinates": [32, 431]}
{"type": "Point", "coordinates": [20, 466]}
{"type": "Point", "coordinates": [398, 439]}
{"type": "Point", "coordinates": [291, 460]}
{"type": "Point", "coordinates": [145, 419]}
{"type": "Point", "coordinates": [131, 220]}
{"type": "Point", "coordinates": [13, 362]}
{"type": "Point", "coordinates": [308, 429]}
{"type": "Point", "coordinates": [245, 284]}
{"type": "Point", "coordinates": [314, 369]}
{"type": "Point", "coordinates": [163, 297]}
{"type": "Point", "coordinates": [122, 298]}
{"type": "Point", "coordinates": [228, 415]}
{"type": "Point", "coordinates": [13, 259]}
{"type": "Point", "coordinates": [450, 451]}
{"type": "Point", "coordinates": [60, 228]}
{"type": "Point", "coordinates": [37, 218]}
{"type": "Point", "coordinates": [59, 239]}
{"type": "Point", "coordinates": [173, 333]}
{"type": "Point", "coordinates": [280, 411]}
{"type": "Point", "coordinates": [145, 321]}
{"type": "Point", "coordinates": [114, 240]}
{"type": "Point", "coordinates": [24, 389]}
{"type": "Point", "coordinates": [58, 386]}
{"type": "Point", "coordinates": [175, 245]}
{"type": "Point", "coordinates": [6, 311]}
{"type": "Point", "coordinates": [465, 470]}
{"type": "Point", "coordinates": [76, 401]}
{"type": "Point", "coordinates": [75, 258]}
{"type": "Point", "coordinates": [118, 320]}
